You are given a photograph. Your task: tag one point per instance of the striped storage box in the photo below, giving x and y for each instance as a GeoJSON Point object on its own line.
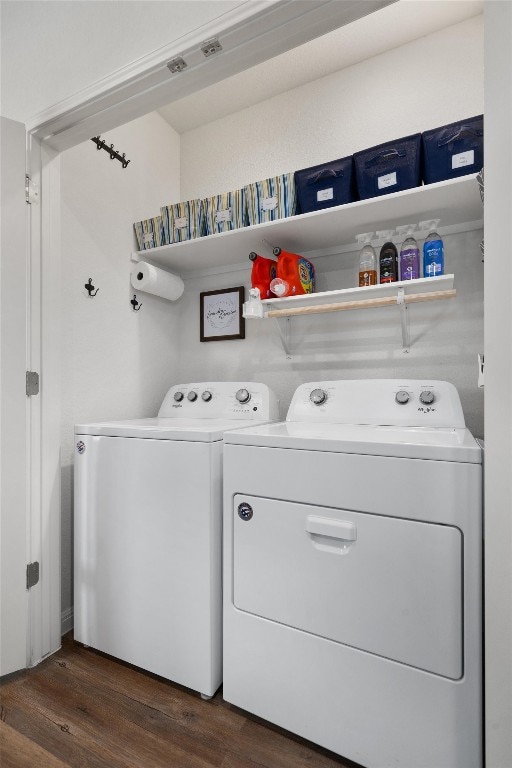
{"type": "Point", "coordinates": [271, 199]}
{"type": "Point", "coordinates": [225, 212]}
{"type": "Point", "coordinates": [183, 221]}
{"type": "Point", "coordinates": [149, 233]}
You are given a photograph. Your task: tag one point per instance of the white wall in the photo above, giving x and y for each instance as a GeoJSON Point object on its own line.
{"type": "Point", "coordinates": [429, 82]}
{"type": "Point", "coordinates": [116, 363]}
{"type": "Point", "coordinates": [498, 408]}
{"type": "Point", "coordinates": [366, 104]}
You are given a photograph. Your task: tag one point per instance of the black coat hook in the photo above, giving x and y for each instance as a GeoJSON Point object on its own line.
{"type": "Point", "coordinates": [113, 153]}
{"type": "Point", "coordinates": [90, 287]}
{"type": "Point", "coordinates": [135, 304]}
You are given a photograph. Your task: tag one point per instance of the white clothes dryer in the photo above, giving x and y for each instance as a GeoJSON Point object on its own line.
{"type": "Point", "coordinates": [148, 530]}
{"type": "Point", "coordinates": [352, 573]}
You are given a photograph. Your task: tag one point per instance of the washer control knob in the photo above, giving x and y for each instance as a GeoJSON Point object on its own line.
{"type": "Point", "coordinates": [206, 396]}
{"type": "Point", "coordinates": [427, 397]}
{"type": "Point", "coordinates": [192, 396]}
{"type": "Point", "coordinates": [402, 397]}
{"type": "Point", "coordinates": [243, 396]}
{"type": "Point", "coordinates": [178, 396]}
{"type": "Point", "coordinates": [318, 396]}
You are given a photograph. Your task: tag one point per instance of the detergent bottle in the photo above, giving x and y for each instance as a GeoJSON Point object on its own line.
{"type": "Point", "coordinates": [295, 274]}
{"type": "Point", "coordinates": [433, 249]}
{"type": "Point", "coordinates": [409, 260]}
{"type": "Point", "coordinates": [263, 272]}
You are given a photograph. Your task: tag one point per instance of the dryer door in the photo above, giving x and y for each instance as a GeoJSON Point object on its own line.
{"type": "Point", "coordinates": [389, 586]}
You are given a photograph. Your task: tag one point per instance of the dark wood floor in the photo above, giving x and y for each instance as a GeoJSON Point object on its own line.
{"type": "Point", "coordinates": [82, 709]}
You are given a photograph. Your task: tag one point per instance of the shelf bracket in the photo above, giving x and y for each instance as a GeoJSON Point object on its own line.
{"type": "Point", "coordinates": [404, 317]}
{"type": "Point", "coordinates": [285, 332]}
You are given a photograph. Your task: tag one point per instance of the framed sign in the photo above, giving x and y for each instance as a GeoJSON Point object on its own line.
{"type": "Point", "coordinates": [221, 314]}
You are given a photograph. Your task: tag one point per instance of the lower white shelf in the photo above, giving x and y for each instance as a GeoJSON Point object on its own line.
{"type": "Point", "coordinates": [389, 294]}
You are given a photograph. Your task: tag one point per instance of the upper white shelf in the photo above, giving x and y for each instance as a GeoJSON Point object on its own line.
{"type": "Point", "coordinates": [455, 202]}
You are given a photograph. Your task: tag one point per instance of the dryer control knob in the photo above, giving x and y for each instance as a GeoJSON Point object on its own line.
{"type": "Point", "coordinates": [178, 396]}
{"type": "Point", "coordinates": [427, 397]}
{"type": "Point", "coordinates": [318, 396]}
{"type": "Point", "coordinates": [206, 396]}
{"type": "Point", "coordinates": [402, 397]}
{"type": "Point", "coordinates": [192, 396]}
{"type": "Point", "coordinates": [243, 396]}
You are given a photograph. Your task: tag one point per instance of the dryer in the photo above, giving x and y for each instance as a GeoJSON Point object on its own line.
{"type": "Point", "coordinates": [148, 530]}
{"type": "Point", "coordinates": [352, 573]}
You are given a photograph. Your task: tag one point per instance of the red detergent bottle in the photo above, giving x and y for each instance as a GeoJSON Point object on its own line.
{"type": "Point", "coordinates": [295, 274]}
{"type": "Point", "coordinates": [263, 272]}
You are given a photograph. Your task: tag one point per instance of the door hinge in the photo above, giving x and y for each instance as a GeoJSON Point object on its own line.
{"type": "Point", "coordinates": [31, 191]}
{"type": "Point", "coordinates": [32, 574]}
{"type": "Point", "coordinates": [32, 383]}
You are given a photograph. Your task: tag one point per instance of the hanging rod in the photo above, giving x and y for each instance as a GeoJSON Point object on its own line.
{"type": "Point", "coordinates": [387, 301]}
{"type": "Point", "coordinates": [114, 154]}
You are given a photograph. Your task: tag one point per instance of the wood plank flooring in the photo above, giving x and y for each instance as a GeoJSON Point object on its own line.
{"type": "Point", "coordinates": [82, 709]}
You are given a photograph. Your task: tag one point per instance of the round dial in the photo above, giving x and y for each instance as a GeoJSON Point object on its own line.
{"type": "Point", "coordinates": [192, 396]}
{"type": "Point", "coordinates": [402, 397]}
{"type": "Point", "coordinates": [243, 396]}
{"type": "Point", "coordinates": [178, 396]}
{"type": "Point", "coordinates": [206, 396]}
{"type": "Point", "coordinates": [318, 396]}
{"type": "Point", "coordinates": [427, 397]}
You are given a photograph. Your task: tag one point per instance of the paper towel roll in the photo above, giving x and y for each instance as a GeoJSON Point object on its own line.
{"type": "Point", "coordinates": [145, 277]}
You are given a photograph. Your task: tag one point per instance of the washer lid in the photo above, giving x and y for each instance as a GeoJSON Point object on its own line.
{"type": "Point", "coordinates": [441, 444]}
{"type": "Point", "coordinates": [160, 428]}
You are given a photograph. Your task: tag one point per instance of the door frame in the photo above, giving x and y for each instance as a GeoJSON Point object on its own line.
{"type": "Point", "coordinates": [139, 88]}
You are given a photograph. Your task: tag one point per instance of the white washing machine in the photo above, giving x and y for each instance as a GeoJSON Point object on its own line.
{"type": "Point", "coordinates": [352, 573]}
{"type": "Point", "coordinates": [148, 531]}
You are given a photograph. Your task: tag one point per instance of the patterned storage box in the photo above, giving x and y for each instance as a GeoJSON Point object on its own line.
{"type": "Point", "coordinates": [326, 185]}
{"type": "Point", "coordinates": [389, 167]}
{"type": "Point", "coordinates": [271, 199]}
{"type": "Point", "coordinates": [453, 150]}
{"type": "Point", "coordinates": [150, 233]}
{"type": "Point", "coordinates": [183, 221]}
{"type": "Point", "coordinates": [225, 212]}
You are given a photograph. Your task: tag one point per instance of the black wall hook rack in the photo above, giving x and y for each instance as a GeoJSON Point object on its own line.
{"type": "Point", "coordinates": [114, 154]}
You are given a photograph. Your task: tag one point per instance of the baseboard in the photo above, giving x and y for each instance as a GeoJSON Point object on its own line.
{"type": "Point", "coordinates": [66, 621]}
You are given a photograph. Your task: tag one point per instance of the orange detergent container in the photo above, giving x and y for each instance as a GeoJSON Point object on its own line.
{"type": "Point", "coordinates": [263, 272]}
{"type": "Point", "coordinates": [295, 274]}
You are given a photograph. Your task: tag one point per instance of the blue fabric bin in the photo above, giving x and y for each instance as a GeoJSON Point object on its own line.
{"type": "Point", "coordinates": [453, 150]}
{"type": "Point", "coordinates": [389, 167]}
{"type": "Point", "coordinates": [326, 185]}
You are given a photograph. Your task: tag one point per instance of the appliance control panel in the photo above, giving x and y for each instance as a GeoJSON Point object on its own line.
{"type": "Point", "coordinates": [220, 399]}
{"type": "Point", "coordinates": [393, 402]}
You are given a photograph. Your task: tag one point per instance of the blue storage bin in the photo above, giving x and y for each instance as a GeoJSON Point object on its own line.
{"type": "Point", "coordinates": [326, 185]}
{"type": "Point", "coordinates": [453, 150]}
{"type": "Point", "coordinates": [389, 167]}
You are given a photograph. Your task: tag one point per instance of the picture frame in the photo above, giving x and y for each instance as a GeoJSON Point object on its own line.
{"type": "Point", "coordinates": [221, 316]}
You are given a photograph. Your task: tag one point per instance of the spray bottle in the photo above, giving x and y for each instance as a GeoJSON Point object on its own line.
{"type": "Point", "coordinates": [433, 249]}
{"type": "Point", "coordinates": [388, 258]}
{"type": "Point", "coordinates": [367, 260]}
{"type": "Point", "coordinates": [409, 254]}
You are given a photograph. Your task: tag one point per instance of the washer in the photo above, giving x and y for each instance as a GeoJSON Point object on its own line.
{"type": "Point", "coordinates": [352, 573]}
{"type": "Point", "coordinates": [148, 530]}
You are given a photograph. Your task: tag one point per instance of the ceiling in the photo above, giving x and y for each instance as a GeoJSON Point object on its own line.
{"type": "Point", "coordinates": [381, 31]}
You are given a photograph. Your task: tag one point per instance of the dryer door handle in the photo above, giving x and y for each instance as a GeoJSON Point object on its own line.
{"type": "Point", "coordinates": [335, 529]}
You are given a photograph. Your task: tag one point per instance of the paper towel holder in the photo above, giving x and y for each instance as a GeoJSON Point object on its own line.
{"type": "Point", "coordinates": [135, 304]}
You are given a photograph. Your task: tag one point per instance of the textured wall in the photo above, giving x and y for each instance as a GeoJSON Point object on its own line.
{"type": "Point", "coordinates": [116, 363]}
{"type": "Point", "coordinates": [426, 83]}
